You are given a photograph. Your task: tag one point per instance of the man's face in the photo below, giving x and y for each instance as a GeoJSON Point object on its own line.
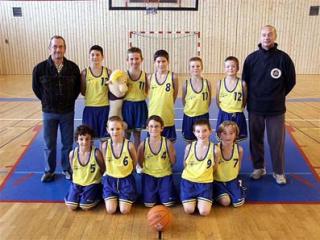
{"type": "Point", "coordinates": [57, 49]}
{"type": "Point", "coordinates": [267, 37]}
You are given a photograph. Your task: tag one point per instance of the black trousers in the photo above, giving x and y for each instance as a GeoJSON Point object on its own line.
{"type": "Point", "coordinates": [275, 129]}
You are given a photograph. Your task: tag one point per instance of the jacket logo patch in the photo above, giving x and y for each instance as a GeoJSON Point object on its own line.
{"type": "Point", "coordinates": [275, 73]}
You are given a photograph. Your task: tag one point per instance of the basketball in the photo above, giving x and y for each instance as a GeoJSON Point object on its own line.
{"type": "Point", "coordinates": [159, 218]}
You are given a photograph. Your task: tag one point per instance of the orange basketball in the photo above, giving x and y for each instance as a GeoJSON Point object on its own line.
{"type": "Point", "coordinates": [159, 218]}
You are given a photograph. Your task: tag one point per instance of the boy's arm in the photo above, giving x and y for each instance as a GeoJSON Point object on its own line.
{"type": "Point", "coordinates": [172, 152]}
{"type": "Point", "coordinates": [217, 93]}
{"type": "Point", "coordinates": [186, 153]}
{"type": "Point", "coordinates": [175, 86]}
{"type": "Point", "coordinates": [146, 89]}
{"type": "Point", "coordinates": [217, 156]}
{"type": "Point", "coordinates": [184, 92]}
{"type": "Point", "coordinates": [133, 154]}
{"type": "Point", "coordinates": [210, 91]}
{"type": "Point", "coordinates": [148, 83]}
{"type": "Point", "coordinates": [100, 160]}
{"type": "Point", "coordinates": [240, 156]}
{"type": "Point", "coordinates": [245, 93]}
{"type": "Point", "coordinates": [103, 149]}
{"type": "Point", "coordinates": [141, 154]}
{"type": "Point", "coordinates": [71, 158]}
{"type": "Point", "coordinates": [83, 82]}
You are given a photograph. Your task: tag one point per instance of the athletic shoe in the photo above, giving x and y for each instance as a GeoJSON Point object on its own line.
{"type": "Point", "coordinates": [258, 173]}
{"type": "Point", "coordinates": [47, 177]}
{"type": "Point", "coordinates": [280, 178]}
{"type": "Point", "coordinates": [67, 175]}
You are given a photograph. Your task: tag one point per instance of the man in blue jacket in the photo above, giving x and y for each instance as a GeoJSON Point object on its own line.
{"type": "Point", "coordinates": [270, 76]}
{"type": "Point", "coordinates": [56, 82]}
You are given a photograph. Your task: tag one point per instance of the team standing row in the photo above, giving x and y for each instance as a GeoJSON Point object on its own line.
{"type": "Point", "coordinates": [268, 74]}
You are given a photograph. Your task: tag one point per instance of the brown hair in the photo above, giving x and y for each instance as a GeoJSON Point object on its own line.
{"type": "Point", "coordinates": [155, 118]}
{"type": "Point", "coordinates": [135, 50]}
{"type": "Point", "coordinates": [234, 59]}
{"type": "Point", "coordinates": [201, 122]}
{"type": "Point", "coordinates": [196, 59]}
{"type": "Point", "coordinates": [82, 130]}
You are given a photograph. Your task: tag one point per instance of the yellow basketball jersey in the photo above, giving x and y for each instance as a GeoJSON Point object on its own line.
{"type": "Point", "coordinates": [157, 164]}
{"type": "Point", "coordinates": [228, 169]}
{"type": "Point", "coordinates": [199, 170]}
{"type": "Point", "coordinates": [161, 99]}
{"type": "Point", "coordinates": [231, 100]}
{"type": "Point", "coordinates": [96, 91]}
{"type": "Point", "coordinates": [136, 88]}
{"type": "Point", "coordinates": [118, 167]}
{"type": "Point", "coordinates": [88, 174]}
{"type": "Point", "coordinates": [197, 103]}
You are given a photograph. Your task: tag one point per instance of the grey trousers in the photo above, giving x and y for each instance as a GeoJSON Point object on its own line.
{"type": "Point", "coordinates": [275, 129]}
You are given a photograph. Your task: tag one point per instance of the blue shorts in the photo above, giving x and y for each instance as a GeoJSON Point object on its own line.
{"type": "Point", "coordinates": [192, 191]}
{"type": "Point", "coordinates": [233, 189]}
{"type": "Point", "coordinates": [135, 114]}
{"type": "Point", "coordinates": [84, 196]}
{"type": "Point", "coordinates": [170, 133]}
{"type": "Point", "coordinates": [96, 118]}
{"type": "Point", "coordinates": [158, 190]}
{"type": "Point", "coordinates": [123, 189]}
{"type": "Point", "coordinates": [187, 126]}
{"type": "Point", "coordinates": [239, 118]}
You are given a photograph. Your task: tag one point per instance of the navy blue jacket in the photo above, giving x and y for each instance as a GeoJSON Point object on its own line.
{"type": "Point", "coordinates": [57, 91]}
{"type": "Point", "coordinates": [270, 76]}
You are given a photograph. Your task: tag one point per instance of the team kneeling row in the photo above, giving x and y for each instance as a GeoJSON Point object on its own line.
{"type": "Point", "coordinates": [210, 170]}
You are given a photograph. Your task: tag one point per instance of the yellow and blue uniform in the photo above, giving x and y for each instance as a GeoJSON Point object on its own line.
{"type": "Point", "coordinates": [134, 109]}
{"type": "Point", "coordinates": [197, 176]}
{"type": "Point", "coordinates": [118, 181]}
{"type": "Point", "coordinates": [231, 107]}
{"type": "Point", "coordinates": [85, 189]}
{"type": "Point", "coordinates": [161, 103]}
{"type": "Point", "coordinates": [196, 108]}
{"type": "Point", "coordinates": [96, 111]}
{"type": "Point", "coordinates": [157, 179]}
{"type": "Point", "coordinates": [226, 178]}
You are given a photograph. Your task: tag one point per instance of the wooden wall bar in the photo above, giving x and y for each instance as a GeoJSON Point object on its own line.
{"type": "Point", "coordinates": [227, 27]}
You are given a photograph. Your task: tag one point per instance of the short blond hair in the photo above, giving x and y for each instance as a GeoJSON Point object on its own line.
{"type": "Point", "coordinates": [225, 124]}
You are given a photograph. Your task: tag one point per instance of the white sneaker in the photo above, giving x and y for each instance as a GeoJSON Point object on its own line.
{"type": "Point", "coordinates": [258, 173]}
{"type": "Point", "coordinates": [280, 178]}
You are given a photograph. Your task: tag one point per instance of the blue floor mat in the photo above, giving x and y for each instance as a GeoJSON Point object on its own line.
{"type": "Point", "coordinates": [23, 183]}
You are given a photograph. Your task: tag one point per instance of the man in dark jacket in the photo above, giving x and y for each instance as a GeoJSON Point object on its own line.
{"type": "Point", "coordinates": [56, 82]}
{"type": "Point", "coordinates": [270, 76]}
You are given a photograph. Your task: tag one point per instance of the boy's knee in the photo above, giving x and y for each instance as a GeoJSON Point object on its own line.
{"type": "Point", "coordinates": [111, 210]}
{"type": "Point", "coordinates": [204, 212]}
{"type": "Point", "coordinates": [189, 209]}
{"type": "Point", "coordinates": [125, 211]}
{"type": "Point", "coordinates": [72, 207]}
{"type": "Point", "coordinates": [225, 201]}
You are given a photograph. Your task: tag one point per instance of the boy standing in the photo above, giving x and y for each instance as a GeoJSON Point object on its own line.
{"type": "Point", "coordinates": [163, 86]}
{"type": "Point", "coordinates": [134, 109]}
{"type": "Point", "coordinates": [95, 92]}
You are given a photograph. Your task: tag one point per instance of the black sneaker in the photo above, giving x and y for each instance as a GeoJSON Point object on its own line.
{"type": "Point", "coordinates": [67, 175]}
{"type": "Point", "coordinates": [47, 177]}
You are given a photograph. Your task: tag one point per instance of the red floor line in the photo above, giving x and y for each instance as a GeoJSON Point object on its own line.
{"type": "Point", "coordinates": [312, 168]}
{"type": "Point", "coordinates": [36, 129]}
